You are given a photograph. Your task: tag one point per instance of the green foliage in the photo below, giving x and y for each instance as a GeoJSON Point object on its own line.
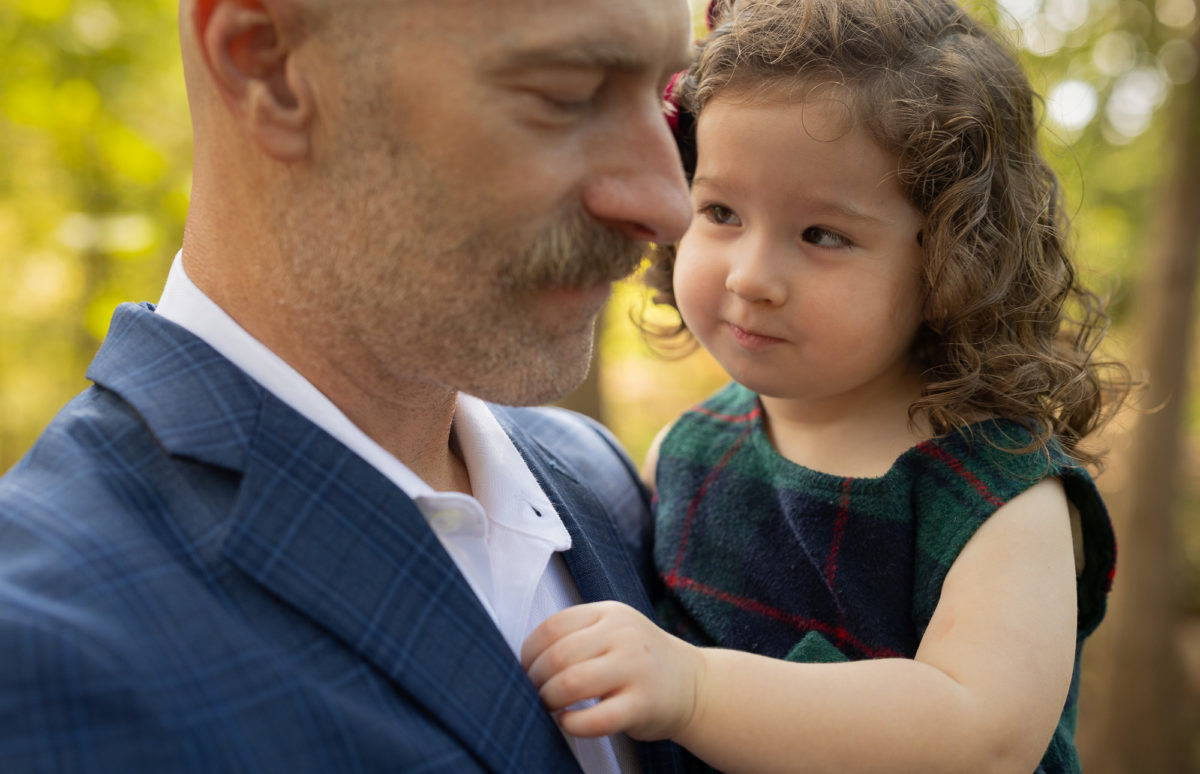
{"type": "Point", "coordinates": [95, 143]}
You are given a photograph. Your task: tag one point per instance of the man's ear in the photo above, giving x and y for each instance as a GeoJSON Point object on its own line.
{"type": "Point", "coordinates": [250, 59]}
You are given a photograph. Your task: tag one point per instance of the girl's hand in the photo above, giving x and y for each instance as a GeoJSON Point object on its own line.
{"type": "Point", "coordinates": [646, 681]}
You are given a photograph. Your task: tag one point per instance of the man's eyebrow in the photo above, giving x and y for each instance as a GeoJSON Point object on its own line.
{"type": "Point", "coordinates": [604, 55]}
{"type": "Point", "coordinates": [584, 54]}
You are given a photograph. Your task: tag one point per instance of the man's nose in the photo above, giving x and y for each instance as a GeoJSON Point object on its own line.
{"type": "Point", "coordinates": [641, 190]}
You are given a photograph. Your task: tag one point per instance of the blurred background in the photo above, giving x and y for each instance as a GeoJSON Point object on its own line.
{"type": "Point", "coordinates": [94, 179]}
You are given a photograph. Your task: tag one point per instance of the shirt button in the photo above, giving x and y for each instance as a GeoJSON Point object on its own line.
{"type": "Point", "coordinates": [450, 520]}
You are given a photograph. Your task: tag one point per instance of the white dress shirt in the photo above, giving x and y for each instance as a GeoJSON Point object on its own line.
{"type": "Point", "coordinates": [505, 539]}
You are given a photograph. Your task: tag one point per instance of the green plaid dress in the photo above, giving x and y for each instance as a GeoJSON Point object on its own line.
{"type": "Point", "coordinates": [763, 555]}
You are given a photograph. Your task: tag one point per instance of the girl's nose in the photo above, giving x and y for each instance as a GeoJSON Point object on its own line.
{"type": "Point", "coordinates": [756, 281]}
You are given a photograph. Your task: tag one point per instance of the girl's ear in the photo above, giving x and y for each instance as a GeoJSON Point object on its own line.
{"type": "Point", "coordinates": [252, 66]}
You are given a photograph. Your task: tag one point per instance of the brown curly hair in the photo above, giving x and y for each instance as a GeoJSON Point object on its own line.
{"type": "Point", "coordinates": [1009, 331]}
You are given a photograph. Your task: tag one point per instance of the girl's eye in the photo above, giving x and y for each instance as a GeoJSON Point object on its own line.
{"type": "Point", "coordinates": [720, 214]}
{"type": "Point", "coordinates": [823, 237]}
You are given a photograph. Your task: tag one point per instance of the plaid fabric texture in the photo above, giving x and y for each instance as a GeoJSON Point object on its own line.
{"type": "Point", "coordinates": [763, 555]}
{"type": "Point", "coordinates": [194, 578]}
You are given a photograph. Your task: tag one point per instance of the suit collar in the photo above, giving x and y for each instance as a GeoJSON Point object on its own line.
{"type": "Point", "coordinates": [598, 558]}
{"type": "Point", "coordinates": [201, 406]}
{"type": "Point", "coordinates": [194, 401]}
{"type": "Point", "coordinates": [331, 536]}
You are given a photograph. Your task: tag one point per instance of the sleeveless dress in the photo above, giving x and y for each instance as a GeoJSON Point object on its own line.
{"type": "Point", "coordinates": [763, 555]}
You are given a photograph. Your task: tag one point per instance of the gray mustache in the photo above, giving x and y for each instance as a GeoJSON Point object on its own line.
{"type": "Point", "coordinates": [576, 252]}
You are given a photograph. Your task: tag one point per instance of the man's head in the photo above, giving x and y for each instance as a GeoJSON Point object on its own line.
{"type": "Point", "coordinates": [430, 191]}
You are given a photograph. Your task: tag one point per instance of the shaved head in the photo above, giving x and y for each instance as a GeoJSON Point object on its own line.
{"type": "Point", "coordinates": [419, 195]}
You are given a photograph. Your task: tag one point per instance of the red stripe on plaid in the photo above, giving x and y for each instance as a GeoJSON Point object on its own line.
{"type": "Point", "coordinates": [798, 622]}
{"type": "Point", "coordinates": [839, 532]}
{"type": "Point", "coordinates": [938, 453]}
{"type": "Point", "coordinates": [1112, 569]}
{"type": "Point", "coordinates": [694, 505]}
{"type": "Point", "coordinates": [731, 418]}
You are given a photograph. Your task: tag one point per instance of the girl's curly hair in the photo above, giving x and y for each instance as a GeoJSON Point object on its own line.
{"type": "Point", "coordinates": [1009, 330]}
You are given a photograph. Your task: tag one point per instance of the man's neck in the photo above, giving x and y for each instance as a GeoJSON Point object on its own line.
{"type": "Point", "coordinates": [418, 432]}
{"type": "Point", "coordinates": [413, 422]}
{"type": "Point", "coordinates": [410, 420]}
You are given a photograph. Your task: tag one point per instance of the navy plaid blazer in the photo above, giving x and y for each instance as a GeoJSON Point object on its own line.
{"type": "Point", "coordinates": [195, 578]}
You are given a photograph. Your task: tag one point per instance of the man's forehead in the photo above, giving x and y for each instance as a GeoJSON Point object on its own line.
{"type": "Point", "coordinates": [622, 34]}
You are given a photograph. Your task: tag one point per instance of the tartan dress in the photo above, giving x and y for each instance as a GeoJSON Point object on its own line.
{"type": "Point", "coordinates": [762, 555]}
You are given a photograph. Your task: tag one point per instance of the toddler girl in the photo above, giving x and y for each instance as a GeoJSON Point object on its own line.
{"type": "Point", "coordinates": [880, 547]}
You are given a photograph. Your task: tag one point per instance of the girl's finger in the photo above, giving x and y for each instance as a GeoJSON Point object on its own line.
{"type": "Point", "coordinates": [589, 679]}
{"type": "Point", "coordinates": [556, 627]}
{"type": "Point", "coordinates": [570, 650]}
{"type": "Point", "coordinates": [612, 715]}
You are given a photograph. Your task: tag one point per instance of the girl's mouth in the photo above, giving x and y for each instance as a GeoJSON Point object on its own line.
{"type": "Point", "coordinates": [750, 339]}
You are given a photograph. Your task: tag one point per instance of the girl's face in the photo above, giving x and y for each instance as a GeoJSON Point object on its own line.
{"type": "Point", "coordinates": [800, 271]}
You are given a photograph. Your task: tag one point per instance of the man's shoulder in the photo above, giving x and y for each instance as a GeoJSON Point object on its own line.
{"type": "Point", "coordinates": [88, 494]}
{"type": "Point", "coordinates": [94, 442]}
{"type": "Point", "coordinates": [78, 545]}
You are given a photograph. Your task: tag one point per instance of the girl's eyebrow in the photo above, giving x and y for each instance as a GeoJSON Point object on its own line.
{"type": "Point", "coordinates": [842, 207]}
{"type": "Point", "coordinates": [849, 210]}
{"type": "Point", "coordinates": [718, 183]}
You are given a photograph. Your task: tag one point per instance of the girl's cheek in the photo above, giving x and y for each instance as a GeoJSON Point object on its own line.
{"type": "Point", "coordinates": [687, 276]}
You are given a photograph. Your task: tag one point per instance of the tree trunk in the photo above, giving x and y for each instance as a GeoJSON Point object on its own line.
{"type": "Point", "coordinates": [1137, 711]}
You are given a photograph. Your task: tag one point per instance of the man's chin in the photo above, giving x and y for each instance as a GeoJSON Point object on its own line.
{"type": "Point", "coordinates": [539, 383]}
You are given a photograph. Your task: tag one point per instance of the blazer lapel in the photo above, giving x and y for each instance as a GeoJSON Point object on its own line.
{"type": "Point", "coordinates": [598, 559]}
{"type": "Point", "coordinates": [329, 534]}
